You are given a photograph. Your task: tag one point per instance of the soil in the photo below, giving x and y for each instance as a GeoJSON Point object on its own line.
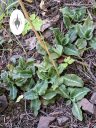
{"type": "Point", "coordinates": [19, 115]}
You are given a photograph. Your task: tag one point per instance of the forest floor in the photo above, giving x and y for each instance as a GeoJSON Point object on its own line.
{"type": "Point", "coordinates": [19, 115]}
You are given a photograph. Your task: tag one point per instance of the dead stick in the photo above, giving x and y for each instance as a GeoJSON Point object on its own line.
{"type": "Point", "coordinates": [78, 5]}
{"type": "Point", "coordinates": [40, 41]}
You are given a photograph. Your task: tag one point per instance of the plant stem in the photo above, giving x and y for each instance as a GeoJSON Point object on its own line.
{"type": "Point", "coordinates": [40, 41]}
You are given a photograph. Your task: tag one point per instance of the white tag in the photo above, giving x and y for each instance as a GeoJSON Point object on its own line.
{"type": "Point", "coordinates": [17, 22]}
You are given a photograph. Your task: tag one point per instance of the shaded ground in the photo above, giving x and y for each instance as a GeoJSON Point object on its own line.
{"type": "Point", "coordinates": [20, 115]}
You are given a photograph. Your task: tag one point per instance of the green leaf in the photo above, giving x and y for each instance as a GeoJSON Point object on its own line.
{"type": "Point", "coordinates": [4, 75]}
{"type": "Point", "coordinates": [88, 23]}
{"type": "Point", "coordinates": [40, 50]}
{"type": "Point", "coordinates": [88, 28]}
{"type": "Point", "coordinates": [73, 80]}
{"type": "Point", "coordinates": [30, 95]}
{"type": "Point", "coordinates": [48, 102]}
{"type": "Point", "coordinates": [57, 82]}
{"type": "Point", "coordinates": [66, 21]}
{"type": "Point", "coordinates": [62, 67]}
{"type": "Point", "coordinates": [72, 34]}
{"type": "Point", "coordinates": [2, 40]}
{"type": "Point", "coordinates": [36, 21]}
{"type": "Point", "coordinates": [66, 12]}
{"type": "Point", "coordinates": [80, 31]}
{"type": "Point", "coordinates": [13, 92]}
{"type": "Point", "coordinates": [76, 14]}
{"type": "Point", "coordinates": [77, 111]}
{"type": "Point", "coordinates": [21, 74]}
{"type": "Point", "coordinates": [71, 50]}
{"type": "Point", "coordinates": [92, 43]}
{"type": "Point", "coordinates": [28, 85]}
{"type": "Point", "coordinates": [30, 61]}
{"type": "Point", "coordinates": [49, 95]}
{"type": "Point", "coordinates": [35, 105]}
{"type": "Point", "coordinates": [58, 35]}
{"type": "Point", "coordinates": [78, 93]}
{"type": "Point", "coordinates": [79, 14]}
{"type": "Point", "coordinates": [69, 60]}
{"type": "Point", "coordinates": [65, 40]}
{"type": "Point", "coordinates": [22, 62]}
{"type": "Point", "coordinates": [56, 52]}
{"type": "Point", "coordinates": [20, 82]}
{"type": "Point", "coordinates": [64, 91]}
{"type": "Point", "coordinates": [81, 43]}
{"type": "Point", "coordinates": [41, 87]}
{"type": "Point", "coordinates": [88, 34]}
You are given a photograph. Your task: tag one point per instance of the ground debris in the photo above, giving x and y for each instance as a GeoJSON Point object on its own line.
{"type": "Point", "coordinates": [31, 42]}
{"type": "Point", "coordinates": [3, 103]}
{"type": "Point", "coordinates": [58, 113]}
{"type": "Point", "coordinates": [45, 121]}
{"type": "Point", "coordinates": [62, 120]}
{"type": "Point", "coordinates": [93, 98]}
{"type": "Point", "coordinates": [87, 106]}
{"type": "Point", "coordinates": [45, 26]}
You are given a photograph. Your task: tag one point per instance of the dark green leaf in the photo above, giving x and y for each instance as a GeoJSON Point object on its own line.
{"type": "Point", "coordinates": [65, 40]}
{"type": "Point", "coordinates": [81, 43]}
{"type": "Point", "coordinates": [30, 95]}
{"type": "Point", "coordinates": [69, 60]}
{"type": "Point", "coordinates": [49, 95]}
{"type": "Point", "coordinates": [57, 82]}
{"type": "Point", "coordinates": [73, 80]}
{"type": "Point", "coordinates": [62, 67]}
{"type": "Point", "coordinates": [77, 111]}
{"type": "Point", "coordinates": [35, 105]}
{"type": "Point", "coordinates": [78, 93]}
{"type": "Point", "coordinates": [66, 21]}
{"type": "Point", "coordinates": [41, 87]}
{"type": "Point", "coordinates": [71, 50]}
{"type": "Point", "coordinates": [20, 82]}
{"type": "Point", "coordinates": [64, 91]}
{"type": "Point", "coordinates": [72, 34]}
{"type": "Point", "coordinates": [92, 43]}
{"type": "Point", "coordinates": [13, 92]}
{"type": "Point", "coordinates": [58, 35]}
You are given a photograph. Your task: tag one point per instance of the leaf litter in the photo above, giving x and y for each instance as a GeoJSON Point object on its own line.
{"type": "Point", "coordinates": [33, 45]}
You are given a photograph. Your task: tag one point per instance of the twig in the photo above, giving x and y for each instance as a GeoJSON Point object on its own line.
{"type": "Point", "coordinates": [78, 5]}
{"type": "Point", "coordinates": [19, 43]}
{"type": "Point", "coordinates": [40, 41]}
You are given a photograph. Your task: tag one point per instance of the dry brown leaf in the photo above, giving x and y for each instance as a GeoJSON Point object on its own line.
{"type": "Point", "coordinates": [62, 120]}
{"type": "Point", "coordinates": [31, 42]}
{"type": "Point", "coordinates": [42, 6]}
{"type": "Point", "coordinates": [58, 1]}
{"type": "Point", "coordinates": [45, 26]}
{"type": "Point", "coordinates": [45, 121]}
{"type": "Point", "coordinates": [3, 103]}
{"type": "Point", "coordinates": [93, 98]}
{"type": "Point", "coordinates": [55, 18]}
{"type": "Point", "coordinates": [30, 1]}
{"type": "Point", "coordinates": [87, 106]}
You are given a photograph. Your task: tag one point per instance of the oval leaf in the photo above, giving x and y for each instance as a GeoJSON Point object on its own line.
{"type": "Point", "coordinates": [41, 88]}
{"type": "Point", "coordinates": [73, 80]}
{"type": "Point", "coordinates": [77, 111]}
{"type": "Point", "coordinates": [35, 105]}
{"type": "Point", "coordinates": [81, 43]}
{"type": "Point", "coordinates": [30, 95]}
{"type": "Point", "coordinates": [49, 95]}
{"type": "Point", "coordinates": [63, 91]}
{"type": "Point", "coordinates": [79, 93]}
{"type": "Point", "coordinates": [71, 50]}
{"type": "Point", "coordinates": [92, 43]}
